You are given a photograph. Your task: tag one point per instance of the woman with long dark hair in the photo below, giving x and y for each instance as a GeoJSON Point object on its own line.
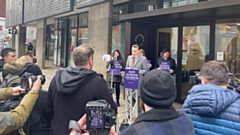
{"type": "Point", "coordinates": [117, 79]}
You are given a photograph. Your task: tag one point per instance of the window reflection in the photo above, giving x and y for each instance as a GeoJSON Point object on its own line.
{"type": "Point", "coordinates": [194, 53]}
{"type": "Point", "coordinates": [227, 42]}
{"type": "Point", "coordinates": [118, 38]}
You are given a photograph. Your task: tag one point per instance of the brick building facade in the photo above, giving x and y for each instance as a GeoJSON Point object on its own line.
{"type": "Point", "coordinates": [3, 8]}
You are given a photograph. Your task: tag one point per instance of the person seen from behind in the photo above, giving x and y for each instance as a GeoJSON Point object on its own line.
{"type": "Point", "coordinates": [72, 88]}
{"type": "Point", "coordinates": [157, 92]}
{"type": "Point", "coordinates": [214, 108]}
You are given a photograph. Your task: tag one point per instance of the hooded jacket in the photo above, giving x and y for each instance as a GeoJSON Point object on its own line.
{"type": "Point", "coordinates": [68, 94]}
{"type": "Point", "coordinates": [213, 102]}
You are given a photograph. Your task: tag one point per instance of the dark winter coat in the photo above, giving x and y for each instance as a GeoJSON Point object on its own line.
{"type": "Point", "coordinates": [211, 107]}
{"type": "Point", "coordinates": [172, 63]}
{"type": "Point", "coordinates": [116, 78]}
{"type": "Point", "coordinates": [69, 92]}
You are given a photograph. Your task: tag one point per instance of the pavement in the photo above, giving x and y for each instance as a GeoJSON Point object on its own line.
{"type": "Point", "coordinates": [50, 71]}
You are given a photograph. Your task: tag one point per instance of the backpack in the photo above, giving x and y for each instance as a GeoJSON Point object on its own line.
{"type": "Point", "coordinates": [13, 102]}
{"type": "Point", "coordinates": [5, 83]}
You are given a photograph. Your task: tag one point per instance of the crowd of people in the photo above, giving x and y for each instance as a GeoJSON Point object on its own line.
{"type": "Point", "coordinates": [210, 107]}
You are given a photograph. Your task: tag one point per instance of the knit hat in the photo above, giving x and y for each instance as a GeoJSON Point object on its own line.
{"type": "Point", "coordinates": [157, 89]}
{"type": "Point", "coordinates": [31, 68]}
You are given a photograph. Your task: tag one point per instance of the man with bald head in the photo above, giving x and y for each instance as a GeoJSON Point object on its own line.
{"type": "Point", "coordinates": [71, 89]}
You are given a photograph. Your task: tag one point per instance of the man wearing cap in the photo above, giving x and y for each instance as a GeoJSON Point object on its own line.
{"type": "Point", "coordinates": [158, 93]}
{"type": "Point", "coordinates": [166, 58]}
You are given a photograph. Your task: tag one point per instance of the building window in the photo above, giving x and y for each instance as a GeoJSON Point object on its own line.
{"type": "Point", "coordinates": [118, 38]}
{"type": "Point", "coordinates": [70, 32]}
{"type": "Point", "coordinates": [83, 29]}
{"type": "Point", "coordinates": [227, 45]}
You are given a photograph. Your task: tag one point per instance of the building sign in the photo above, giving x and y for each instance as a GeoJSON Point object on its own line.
{"type": "Point", "coordinates": [39, 9]}
{"type": "Point", "coordinates": [139, 39]}
{"type": "Point", "coordinates": [85, 3]}
{"type": "Point", "coordinates": [12, 31]}
{"type": "Point", "coordinates": [131, 79]}
{"type": "Point", "coordinates": [14, 12]}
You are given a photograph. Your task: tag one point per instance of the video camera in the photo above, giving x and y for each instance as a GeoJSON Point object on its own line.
{"type": "Point", "coordinates": [233, 85]}
{"type": "Point", "coordinates": [100, 117]}
{"type": "Point", "coordinates": [24, 83]}
{"type": "Point", "coordinates": [195, 79]}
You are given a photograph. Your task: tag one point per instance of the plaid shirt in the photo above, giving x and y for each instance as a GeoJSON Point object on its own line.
{"type": "Point", "coordinates": [161, 122]}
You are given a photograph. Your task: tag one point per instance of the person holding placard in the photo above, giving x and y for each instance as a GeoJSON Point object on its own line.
{"type": "Point", "coordinates": [118, 67]}
{"type": "Point", "coordinates": [166, 63]}
{"type": "Point", "coordinates": [149, 65]}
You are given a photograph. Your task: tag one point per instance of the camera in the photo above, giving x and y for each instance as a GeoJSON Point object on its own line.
{"type": "Point", "coordinates": [195, 79]}
{"type": "Point", "coordinates": [100, 117]}
{"type": "Point", "coordinates": [110, 66]}
{"type": "Point", "coordinates": [24, 83]}
{"type": "Point", "coordinates": [35, 60]}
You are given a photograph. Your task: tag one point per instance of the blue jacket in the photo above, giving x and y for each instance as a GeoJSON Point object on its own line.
{"type": "Point", "coordinates": [161, 122]}
{"type": "Point", "coordinates": [213, 105]}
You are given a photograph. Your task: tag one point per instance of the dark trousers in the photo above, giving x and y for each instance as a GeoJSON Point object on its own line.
{"type": "Point", "coordinates": [117, 88]}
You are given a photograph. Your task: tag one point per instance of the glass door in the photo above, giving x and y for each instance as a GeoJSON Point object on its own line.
{"type": "Point", "coordinates": [168, 39]}
{"type": "Point", "coordinates": [195, 51]}
{"type": "Point", "coordinates": [227, 45]}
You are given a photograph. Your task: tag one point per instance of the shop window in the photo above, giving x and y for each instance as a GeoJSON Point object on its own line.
{"type": "Point", "coordinates": [195, 52]}
{"type": "Point", "coordinates": [72, 21]}
{"type": "Point", "coordinates": [227, 45]}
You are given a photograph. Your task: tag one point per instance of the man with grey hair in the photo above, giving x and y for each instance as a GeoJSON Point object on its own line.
{"type": "Point", "coordinates": [137, 61]}
{"type": "Point", "coordinates": [71, 89]}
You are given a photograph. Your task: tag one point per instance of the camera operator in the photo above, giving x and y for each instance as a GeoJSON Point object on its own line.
{"type": "Point", "coordinates": [72, 88]}
{"type": "Point", "coordinates": [212, 104]}
{"type": "Point", "coordinates": [10, 121]}
{"type": "Point", "coordinates": [81, 124]}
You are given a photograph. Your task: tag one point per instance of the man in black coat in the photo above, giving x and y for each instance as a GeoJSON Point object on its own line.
{"type": "Point", "coordinates": [71, 89]}
{"type": "Point", "coordinates": [166, 58]}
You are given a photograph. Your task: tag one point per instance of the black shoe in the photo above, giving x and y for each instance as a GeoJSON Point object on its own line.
{"type": "Point", "coordinates": [118, 104]}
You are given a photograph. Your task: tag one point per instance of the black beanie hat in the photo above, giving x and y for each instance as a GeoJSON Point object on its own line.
{"type": "Point", "coordinates": [157, 89]}
{"type": "Point", "coordinates": [31, 68]}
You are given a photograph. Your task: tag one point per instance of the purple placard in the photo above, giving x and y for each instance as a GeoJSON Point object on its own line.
{"type": "Point", "coordinates": [117, 69]}
{"type": "Point", "coordinates": [148, 65]}
{"type": "Point", "coordinates": [131, 78]}
{"type": "Point", "coordinates": [164, 65]}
